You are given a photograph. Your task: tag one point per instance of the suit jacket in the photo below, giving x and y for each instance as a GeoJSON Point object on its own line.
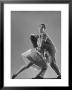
{"type": "Point", "coordinates": [47, 44]}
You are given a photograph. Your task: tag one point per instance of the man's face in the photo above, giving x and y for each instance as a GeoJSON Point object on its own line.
{"type": "Point", "coordinates": [41, 29]}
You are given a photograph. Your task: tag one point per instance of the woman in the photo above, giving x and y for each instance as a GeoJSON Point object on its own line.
{"type": "Point", "coordinates": [35, 58]}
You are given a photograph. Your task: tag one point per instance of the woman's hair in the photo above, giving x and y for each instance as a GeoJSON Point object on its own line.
{"type": "Point", "coordinates": [34, 39]}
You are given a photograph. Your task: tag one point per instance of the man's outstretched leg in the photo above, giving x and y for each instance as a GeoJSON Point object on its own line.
{"type": "Point", "coordinates": [21, 69]}
{"type": "Point", "coordinates": [55, 68]}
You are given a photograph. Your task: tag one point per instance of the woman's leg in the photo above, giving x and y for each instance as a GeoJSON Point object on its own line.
{"type": "Point", "coordinates": [22, 69]}
{"type": "Point", "coordinates": [41, 73]}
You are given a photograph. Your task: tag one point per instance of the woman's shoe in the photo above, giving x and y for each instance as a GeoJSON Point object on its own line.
{"type": "Point", "coordinates": [38, 77]}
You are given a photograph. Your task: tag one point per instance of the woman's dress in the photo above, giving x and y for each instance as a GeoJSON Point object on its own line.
{"type": "Point", "coordinates": [34, 56]}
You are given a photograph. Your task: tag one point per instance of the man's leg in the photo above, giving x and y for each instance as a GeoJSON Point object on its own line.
{"type": "Point", "coordinates": [21, 69]}
{"type": "Point", "coordinates": [55, 67]}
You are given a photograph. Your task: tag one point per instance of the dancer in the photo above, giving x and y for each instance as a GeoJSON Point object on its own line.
{"type": "Point", "coordinates": [34, 57]}
{"type": "Point", "coordinates": [48, 49]}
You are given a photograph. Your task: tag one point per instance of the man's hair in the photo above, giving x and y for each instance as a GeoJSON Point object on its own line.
{"type": "Point", "coordinates": [43, 26]}
{"type": "Point", "coordinates": [34, 39]}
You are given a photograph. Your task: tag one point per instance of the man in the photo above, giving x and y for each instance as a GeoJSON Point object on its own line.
{"type": "Point", "coordinates": [48, 49]}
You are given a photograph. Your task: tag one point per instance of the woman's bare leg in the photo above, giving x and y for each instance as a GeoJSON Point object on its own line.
{"type": "Point", "coordinates": [22, 69]}
{"type": "Point", "coordinates": [41, 73]}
